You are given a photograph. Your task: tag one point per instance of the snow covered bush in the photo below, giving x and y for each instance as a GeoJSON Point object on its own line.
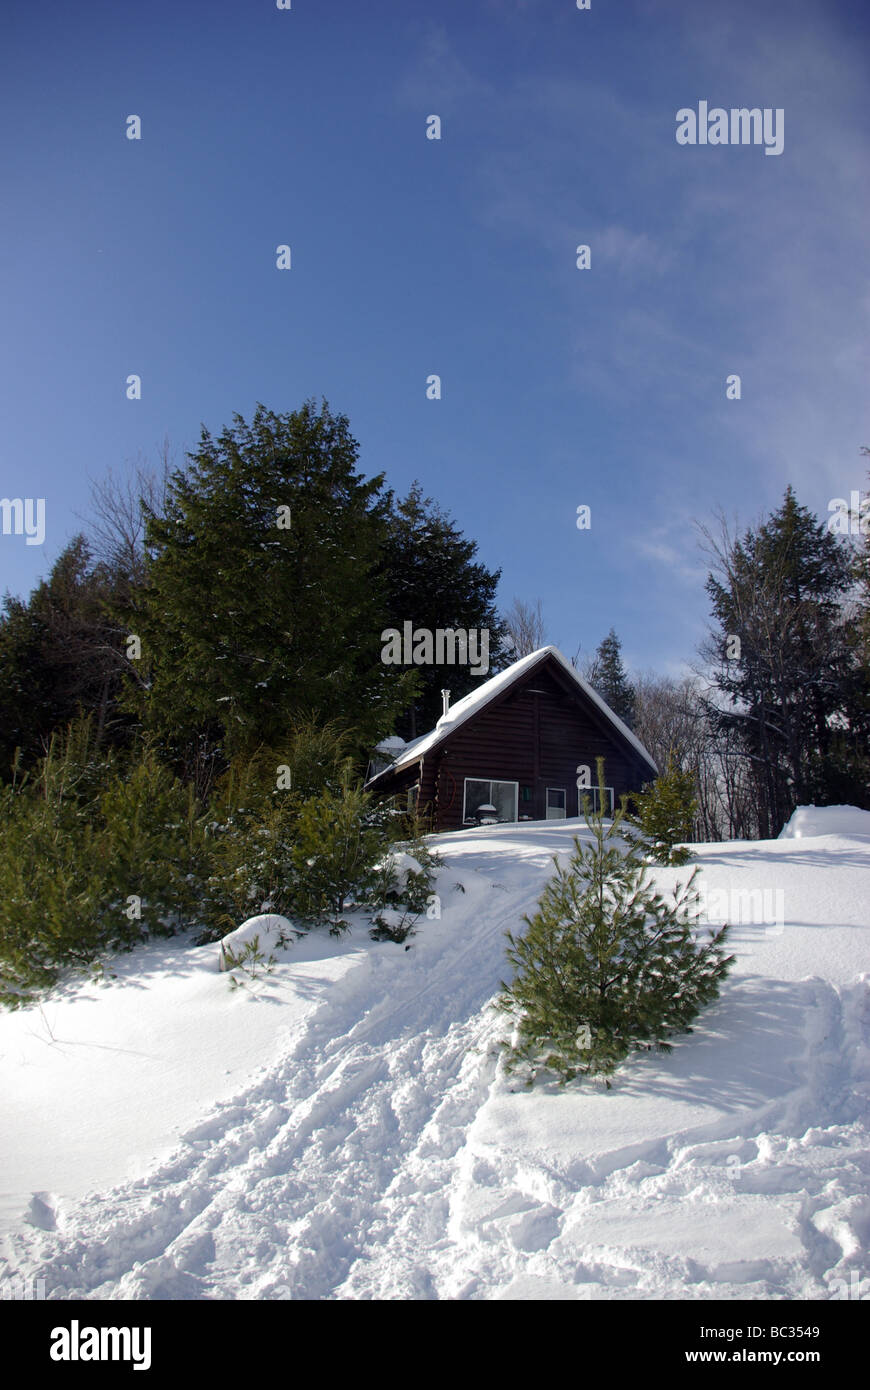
{"type": "Point", "coordinates": [403, 890]}
{"type": "Point", "coordinates": [340, 839]}
{"type": "Point", "coordinates": [252, 821]}
{"type": "Point", "coordinates": [269, 930]}
{"type": "Point", "coordinates": [250, 863]}
{"type": "Point", "coordinates": [665, 815]}
{"type": "Point", "coordinates": [102, 850]}
{"type": "Point", "coordinates": [98, 852]}
{"type": "Point", "coordinates": [607, 965]}
{"type": "Point", "coordinates": [346, 854]}
{"type": "Point", "coordinates": [154, 851]}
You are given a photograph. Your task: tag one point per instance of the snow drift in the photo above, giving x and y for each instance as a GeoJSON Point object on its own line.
{"type": "Point", "coordinates": [808, 822]}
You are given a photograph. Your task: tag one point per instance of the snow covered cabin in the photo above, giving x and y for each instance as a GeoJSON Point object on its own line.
{"type": "Point", "coordinates": [511, 750]}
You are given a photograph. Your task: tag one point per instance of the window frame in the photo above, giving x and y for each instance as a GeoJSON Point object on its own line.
{"type": "Point", "coordinates": [592, 793]}
{"type": "Point", "coordinates": [500, 781]}
{"type": "Point", "coordinates": [564, 791]}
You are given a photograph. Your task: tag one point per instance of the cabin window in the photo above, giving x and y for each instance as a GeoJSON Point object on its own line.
{"type": "Point", "coordinates": [502, 796]}
{"type": "Point", "coordinates": [595, 798]}
{"type": "Point", "coordinates": [413, 793]}
{"type": "Point", "coordinates": [556, 808]}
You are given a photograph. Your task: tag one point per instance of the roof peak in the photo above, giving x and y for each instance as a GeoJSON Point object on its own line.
{"type": "Point", "coordinates": [502, 680]}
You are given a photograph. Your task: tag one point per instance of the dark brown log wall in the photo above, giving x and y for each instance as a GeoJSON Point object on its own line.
{"type": "Point", "coordinates": [536, 734]}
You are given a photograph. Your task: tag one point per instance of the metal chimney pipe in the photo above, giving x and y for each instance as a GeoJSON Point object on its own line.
{"type": "Point", "coordinates": [445, 696]}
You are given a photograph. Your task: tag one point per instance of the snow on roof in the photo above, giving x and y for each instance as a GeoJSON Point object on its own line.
{"type": "Point", "coordinates": [390, 745]}
{"type": "Point", "coordinates": [470, 704]}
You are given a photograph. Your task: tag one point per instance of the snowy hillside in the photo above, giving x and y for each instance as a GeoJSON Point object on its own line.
{"type": "Point", "coordinates": [342, 1128]}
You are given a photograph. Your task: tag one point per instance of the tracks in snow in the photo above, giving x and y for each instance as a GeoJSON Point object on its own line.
{"type": "Point", "coordinates": [344, 1169]}
{"type": "Point", "coordinates": [281, 1191]}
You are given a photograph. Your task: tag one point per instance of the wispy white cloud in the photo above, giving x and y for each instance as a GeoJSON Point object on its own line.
{"type": "Point", "coordinates": [705, 262]}
{"type": "Point", "coordinates": [437, 73]}
{"type": "Point", "coordinates": [674, 546]}
{"type": "Point", "coordinates": [631, 251]}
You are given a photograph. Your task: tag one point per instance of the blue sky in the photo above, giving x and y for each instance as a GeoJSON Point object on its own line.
{"type": "Point", "coordinates": [411, 256]}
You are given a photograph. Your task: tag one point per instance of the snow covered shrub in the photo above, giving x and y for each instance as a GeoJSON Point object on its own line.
{"type": "Point", "coordinates": [50, 893]}
{"type": "Point", "coordinates": [607, 965]}
{"type": "Point", "coordinates": [250, 860]}
{"type": "Point", "coordinates": [155, 852]}
{"type": "Point", "coordinates": [271, 929]}
{"type": "Point", "coordinates": [305, 844]}
{"type": "Point", "coordinates": [665, 816]}
{"type": "Point", "coordinates": [252, 822]}
{"type": "Point", "coordinates": [402, 892]}
{"type": "Point", "coordinates": [97, 852]}
{"type": "Point", "coordinates": [340, 840]}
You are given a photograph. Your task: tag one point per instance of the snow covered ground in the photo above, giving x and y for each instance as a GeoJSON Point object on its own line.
{"type": "Point", "coordinates": [343, 1129]}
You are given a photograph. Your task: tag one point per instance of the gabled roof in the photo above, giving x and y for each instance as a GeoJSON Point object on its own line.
{"type": "Point", "coordinates": [471, 704]}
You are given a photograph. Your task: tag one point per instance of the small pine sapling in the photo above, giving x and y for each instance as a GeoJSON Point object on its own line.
{"type": "Point", "coordinates": [608, 965]}
{"type": "Point", "coordinates": [665, 815]}
{"type": "Point", "coordinates": [249, 959]}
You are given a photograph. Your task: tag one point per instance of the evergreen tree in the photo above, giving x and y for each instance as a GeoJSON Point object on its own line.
{"type": "Point", "coordinates": [786, 660]}
{"type": "Point", "coordinates": [609, 678]}
{"type": "Point", "coordinates": [61, 654]}
{"type": "Point", "coordinates": [607, 965]}
{"type": "Point", "coordinates": [860, 634]}
{"type": "Point", "coordinates": [339, 839]}
{"type": "Point", "coordinates": [99, 850]}
{"type": "Point", "coordinates": [253, 818]}
{"type": "Point", "coordinates": [665, 814]}
{"type": "Point", "coordinates": [434, 581]}
{"type": "Point", "coordinates": [263, 604]}
{"type": "Point", "coordinates": [29, 700]}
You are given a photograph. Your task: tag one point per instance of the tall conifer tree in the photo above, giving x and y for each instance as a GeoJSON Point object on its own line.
{"type": "Point", "coordinates": [263, 602]}
{"type": "Point", "coordinates": [434, 580]}
{"type": "Point", "coordinates": [786, 659]}
{"type": "Point", "coordinates": [609, 678]}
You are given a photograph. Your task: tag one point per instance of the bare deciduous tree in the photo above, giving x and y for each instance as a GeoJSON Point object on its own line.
{"type": "Point", "coordinates": [116, 525]}
{"type": "Point", "coordinates": [673, 716]}
{"type": "Point", "coordinates": [525, 627]}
